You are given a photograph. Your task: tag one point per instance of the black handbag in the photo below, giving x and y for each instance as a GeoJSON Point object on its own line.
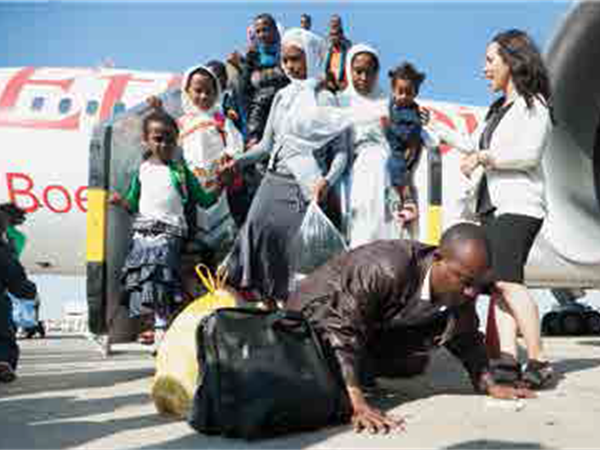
{"type": "Point", "coordinates": [263, 373]}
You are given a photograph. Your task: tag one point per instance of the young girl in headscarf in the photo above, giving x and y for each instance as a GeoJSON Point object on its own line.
{"type": "Point", "coordinates": [298, 125]}
{"type": "Point", "coordinates": [158, 194]}
{"type": "Point", "coordinates": [208, 136]}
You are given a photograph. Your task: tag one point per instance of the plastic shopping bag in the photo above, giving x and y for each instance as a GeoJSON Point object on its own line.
{"type": "Point", "coordinates": [23, 312]}
{"type": "Point", "coordinates": [316, 241]}
{"type": "Point", "coordinates": [177, 368]}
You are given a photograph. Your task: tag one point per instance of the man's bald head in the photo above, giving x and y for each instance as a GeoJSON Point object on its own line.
{"type": "Point", "coordinates": [463, 262]}
{"type": "Point", "coordinates": [467, 242]}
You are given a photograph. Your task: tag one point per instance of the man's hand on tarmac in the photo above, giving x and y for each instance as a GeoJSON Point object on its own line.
{"type": "Point", "coordinates": [509, 392]}
{"type": "Point", "coordinates": [372, 420]}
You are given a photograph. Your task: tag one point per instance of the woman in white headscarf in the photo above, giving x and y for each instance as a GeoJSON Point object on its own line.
{"type": "Point", "coordinates": [206, 136]}
{"type": "Point", "coordinates": [369, 219]}
{"type": "Point", "coordinates": [300, 122]}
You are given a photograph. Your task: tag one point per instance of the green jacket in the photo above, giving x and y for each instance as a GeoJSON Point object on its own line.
{"type": "Point", "coordinates": [17, 239]}
{"type": "Point", "coordinates": [184, 181]}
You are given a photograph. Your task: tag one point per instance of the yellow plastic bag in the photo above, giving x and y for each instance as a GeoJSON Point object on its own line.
{"type": "Point", "coordinates": [177, 368]}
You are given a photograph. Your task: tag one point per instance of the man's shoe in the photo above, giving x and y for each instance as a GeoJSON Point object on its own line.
{"type": "Point", "coordinates": [7, 374]}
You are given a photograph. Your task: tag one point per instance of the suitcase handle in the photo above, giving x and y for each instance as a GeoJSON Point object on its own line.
{"type": "Point", "coordinates": [289, 320]}
{"type": "Point", "coordinates": [282, 319]}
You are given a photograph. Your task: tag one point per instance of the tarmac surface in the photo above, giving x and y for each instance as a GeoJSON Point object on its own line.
{"type": "Point", "coordinates": [68, 396]}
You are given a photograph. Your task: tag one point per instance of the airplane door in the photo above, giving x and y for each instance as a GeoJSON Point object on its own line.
{"type": "Point", "coordinates": [115, 155]}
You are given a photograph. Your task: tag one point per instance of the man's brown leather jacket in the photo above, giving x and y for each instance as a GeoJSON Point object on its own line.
{"type": "Point", "coordinates": [362, 296]}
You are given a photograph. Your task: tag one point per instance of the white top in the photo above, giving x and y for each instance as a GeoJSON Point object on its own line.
{"type": "Point", "coordinates": [206, 135]}
{"type": "Point", "coordinates": [292, 133]}
{"type": "Point", "coordinates": [203, 145]}
{"type": "Point", "coordinates": [159, 198]}
{"type": "Point", "coordinates": [302, 119]}
{"type": "Point", "coordinates": [516, 183]}
{"type": "Point", "coordinates": [426, 288]}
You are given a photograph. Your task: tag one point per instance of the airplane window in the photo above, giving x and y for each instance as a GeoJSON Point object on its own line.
{"type": "Point", "coordinates": [118, 108]}
{"type": "Point", "coordinates": [64, 106]}
{"type": "Point", "coordinates": [91, 108]}
{"type": "Point", "coordinates": [37, 103]}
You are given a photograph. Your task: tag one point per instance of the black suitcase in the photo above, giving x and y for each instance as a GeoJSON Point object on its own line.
{"type": "Point", "coordinates": [263, 374]}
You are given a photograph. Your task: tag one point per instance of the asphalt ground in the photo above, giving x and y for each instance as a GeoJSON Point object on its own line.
{"type": "Point", "coordinates": [68, 396]}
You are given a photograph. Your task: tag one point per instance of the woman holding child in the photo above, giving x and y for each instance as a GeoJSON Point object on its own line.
{"type": "Point", "coordinates": [299, 123]}
{"type": "Point", "coordinates": [371, 216]}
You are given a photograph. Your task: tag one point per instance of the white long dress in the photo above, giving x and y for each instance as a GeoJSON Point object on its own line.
{"type": "Point", "coordinates": [369, 184]}
{"type": "Point", "coordinates": [370, 216]}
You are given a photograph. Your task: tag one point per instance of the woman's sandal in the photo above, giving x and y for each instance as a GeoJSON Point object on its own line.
{"type": "Point", "coordinates": [538, 374]}
{"type": "Point", "coordinates": [506, 371]}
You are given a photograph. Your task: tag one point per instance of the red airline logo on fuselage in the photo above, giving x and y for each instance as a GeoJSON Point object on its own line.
{"type": "Point", "coordinates": [26, 78]}
{"type": "Point", "coordinates": [61, 83]}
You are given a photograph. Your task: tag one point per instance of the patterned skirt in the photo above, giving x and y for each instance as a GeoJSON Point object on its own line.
{"type": "Point", "coordinates": [151, 275]}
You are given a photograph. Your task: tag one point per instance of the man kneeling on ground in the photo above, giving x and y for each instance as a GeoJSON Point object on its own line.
{"type": "Point", "coordinates": [382, 307]}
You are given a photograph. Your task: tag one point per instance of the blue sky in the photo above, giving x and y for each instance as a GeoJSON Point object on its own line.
{"type": "Point", "coordinates": [445, 39]}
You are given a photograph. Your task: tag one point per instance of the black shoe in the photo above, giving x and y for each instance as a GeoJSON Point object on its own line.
{"type": "Point", "coordinates": [7, 374]}
{"type": "Point", "coordinates": [538, 374]}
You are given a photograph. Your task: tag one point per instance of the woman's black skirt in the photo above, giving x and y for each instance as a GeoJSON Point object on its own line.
{"type": "Point", "coordinates": [260, 259]}
{"type": "Point", "coordinates": [511, 237]}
